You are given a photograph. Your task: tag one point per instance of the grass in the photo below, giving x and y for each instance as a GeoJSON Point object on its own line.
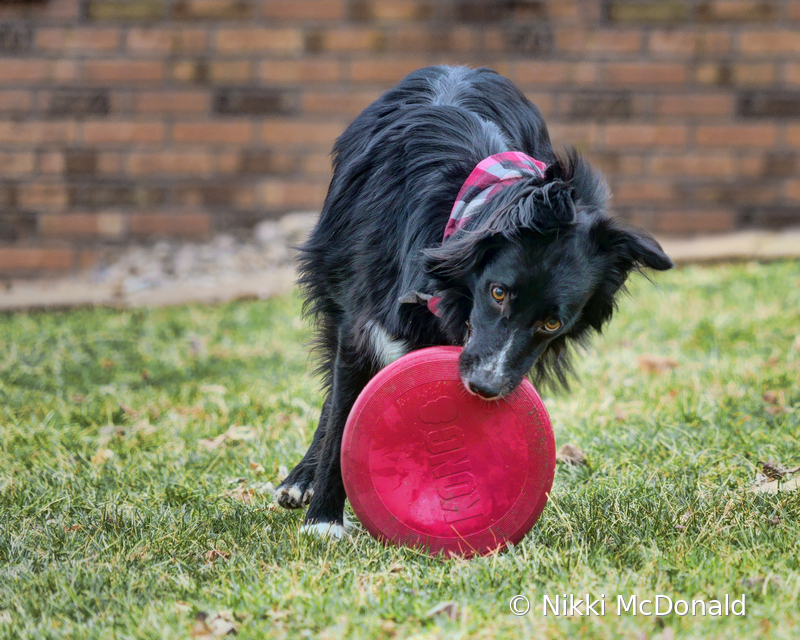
{"type": "Point", "coordinates": [138, 543]}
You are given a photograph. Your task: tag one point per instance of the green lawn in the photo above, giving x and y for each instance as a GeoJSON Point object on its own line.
{"type": "Point", "coordinates": [138, 543]}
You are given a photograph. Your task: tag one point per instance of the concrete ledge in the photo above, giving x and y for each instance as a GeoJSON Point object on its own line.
{"type": "Point", "coordinates": [81, 291]}
{"type": "Point", "coordinates": [743, 245]}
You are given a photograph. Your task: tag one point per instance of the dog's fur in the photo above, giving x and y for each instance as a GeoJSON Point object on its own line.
{"type": "Point", "coordinates": [376, 254]}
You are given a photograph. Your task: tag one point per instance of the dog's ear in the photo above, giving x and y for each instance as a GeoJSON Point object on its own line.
{"type": "Point", "coordinates": [625, 250]}
{"type": "Point", "coordinates": [630, 248]}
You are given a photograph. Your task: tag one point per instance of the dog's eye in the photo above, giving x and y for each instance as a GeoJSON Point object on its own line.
{"type": "Point", "coordinates": [551, 324]}
{"type": "Point", "coordinates": [498, 293]}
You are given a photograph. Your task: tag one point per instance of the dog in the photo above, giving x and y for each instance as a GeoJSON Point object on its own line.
{"type": "Point", "coordinates": [450, 220]}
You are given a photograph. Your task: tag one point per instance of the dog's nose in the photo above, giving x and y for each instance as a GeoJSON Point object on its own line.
{"type": "Point", "coordinates": [481, 387]}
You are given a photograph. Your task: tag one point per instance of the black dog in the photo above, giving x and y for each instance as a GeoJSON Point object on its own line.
{"type": "Point", "coordinates": [530, 258]}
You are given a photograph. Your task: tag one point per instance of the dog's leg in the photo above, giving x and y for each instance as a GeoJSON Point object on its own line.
{"type": "Point", "coordinates": [325, 516]}
{"type": "Point", "coordinates": [297, 489]}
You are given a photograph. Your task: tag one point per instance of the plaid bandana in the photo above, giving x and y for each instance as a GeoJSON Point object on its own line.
{"type": "Point", "coordinates": [486, 180]}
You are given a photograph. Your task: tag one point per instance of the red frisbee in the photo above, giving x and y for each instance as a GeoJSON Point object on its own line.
{"type": "Point", "coordinates": [427, 464]}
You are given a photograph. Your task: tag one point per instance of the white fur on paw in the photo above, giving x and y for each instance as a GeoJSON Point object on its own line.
{"type": "Point", "coordinates": [294, 492]}
{"type": "Point", "coordinates": [308, 495]}
{"type": "Point", "coordinates": [329, 530]}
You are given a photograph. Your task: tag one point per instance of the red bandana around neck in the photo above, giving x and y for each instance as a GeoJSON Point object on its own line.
{"type": "Point", "coordinates": [487, 179]}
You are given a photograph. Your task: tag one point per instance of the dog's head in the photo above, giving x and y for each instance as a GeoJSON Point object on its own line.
{"type": "Point", "coordinates": [538, 267]}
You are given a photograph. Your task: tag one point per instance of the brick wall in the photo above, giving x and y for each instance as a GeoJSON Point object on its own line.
{"type": "Point", "coordinates": [129, 120]}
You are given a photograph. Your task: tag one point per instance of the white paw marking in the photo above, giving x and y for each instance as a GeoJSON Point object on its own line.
{"type": "Point", "coordinates": [308, 495]}
{"type": "Point", "coordinates": [386, 348]}
{"type": "Point", "coordinates": [324, 530]}
{"type": "Point", "coordinates": [294, 492]}
{"type": "Point", "coordinates": [327, 530]}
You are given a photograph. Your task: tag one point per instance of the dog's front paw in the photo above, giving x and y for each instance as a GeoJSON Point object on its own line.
{"type": "Point", "coordinates": [327, 530]}
{"type": "Point", "coordinates": [293, 496]}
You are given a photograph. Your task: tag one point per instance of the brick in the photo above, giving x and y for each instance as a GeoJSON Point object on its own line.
{"type": "Point", "coordinates": [269, 161]}
{"type": "Point", "coordinates": [228, 161]}
{"type": "Point", "coordinates": [768, 104]}
{"type": "Point", "coordinates": [16, 226]}
{"type": "Point", "coordinates": [295, 133]}
{"type": "Point", "coordinates": [63, 71]}
{"type": "Point", "coordinates": [256, 39]}
{"type": "Point", "coordinates": [123, 132]}
{"type": "Point", "coordinates": [172, 101]}
{"type": "Point", "coordinates": [150, 41]}
{"type": "Point", "coordinates": [129, 10]}
{"type": "Point", "coordinates": [305, 70]}
{"type": "Point", "coordinates": [8, 195]}
{"type": "Point", "coordinates": [579, 40]}
{"type": "Point", "coordinates": [714, 42]}
{"type": "Point", "coordinates": [545, 73]}
{"type": "Point", "coordinates": [626, 163]}
{"type": "Point", "coordinates": [770, 217]}
{"type": "Point", "coordinates": [168, 163]}
{"type": "Point", "coordinates": [101, 195]}
{"type": "Point", "coordinates": [15, 38]}
{"type": "Point", "coordinates": [736, 135]}
{"type": "Point", "coordinates": [349, 103]}
{"type": "Point", "coordinates": [81, 40]}
{"type": "Point", "coordinates": [306, 10]}
{"type": "Point", "coordinates": [791, 73]}
{"type": "Point", "coordinates": [194, 71]}
{"type": "Point", "coordinates": [15, 101]}
{"type": "Point", "coordinates": [212, 10]}
{"type": "Point", "coordinates": [51, 162]}
{"type": "Point", "coordinates": [714, 73]}
{"type": "Point", "coordinates": [793, 135]}
{"type": "Point", "coordinates": [781, 163]}
{"type": "Point", "coordinates": [69, 225]}
{"type": "Point", "coordinates": [34, 133]}
{"type": "Point", "coordinates": [645, 73]}
{"type": "Point", "coordinates": [169, 224]}
{"type": "Point", "coordinates": [80, 162]}
{"type": "Point", "coordinates": [23, 71]}
{"type": "Point", "coordinates": [697, 104]}
{"type": "Point", "coordinates": [213, 132]}
{"type": "Point", "coordinates": [770, 42]}
{"type": "Point", "coordinates": [255, 102]}
{"type": "Point", "coordinates": [599, 105]}
{"type": "Point", "coordinates": [737, 10]}
{"type": "Point", "coordinates": [124, 71]}
{"type": "Point", "coordinates": [16, 163]}
{"type": "Point", "coordinates": [627, 135]}
{"type": "Point", "coordinates": [527, 40]}
{"type": "Point", "coordinates": [445, 38]}
{"type": "Point", "coordinates": [704, 220]}
{"type": "Point", "coordinates": [475, 11]}
{"type": "Point", "coordinates": [762, 74]}
{"type": "Point", "coordinates": [640, 191]}
{"type": "Point", "coordinates": [43, 195]}
{"type": "Point", "coordinates": [290, 194]}
{"type": "Point", "coordinates": [79, 102]}
{"type": "Point", "coordinates": [214, 195]}
{"type": "Point", "coordinates": [344, 39]}
{"type": "Point", "coordinates": [108, 163]}
{"type": "Point", "coordinates": [792, 190]}
{"type": "Point", "coordinates": [383, 70]}
{"type": "Point", "coordinates": [317, 164]}
{"type": "Point", "coordinates": [230, 71]}
{"type": "Point", "coordinates": [671, 43]}
{"type": "Point", "coordinates": [654, 11]}
{"type": "Point", "coordinates": [31, 259]}
{"type": "Point", "coordinates": [397, 10]}
{"type": "Point", "coordinates": [583, 136]}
